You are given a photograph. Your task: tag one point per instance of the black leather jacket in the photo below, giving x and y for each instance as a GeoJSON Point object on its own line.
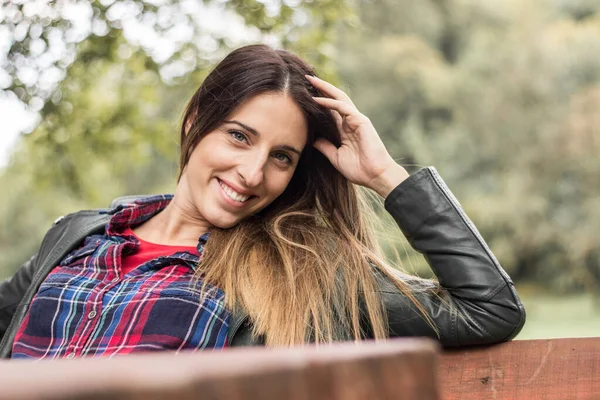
{"type": "Point", "coordinates": [484, 306]}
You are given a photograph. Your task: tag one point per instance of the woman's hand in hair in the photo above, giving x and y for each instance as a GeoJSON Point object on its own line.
{"type": "Point", "coordinates": [362, 158]}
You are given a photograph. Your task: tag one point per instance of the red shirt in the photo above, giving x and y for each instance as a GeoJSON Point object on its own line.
{"type": "Point", "coordinates": [149, 251]}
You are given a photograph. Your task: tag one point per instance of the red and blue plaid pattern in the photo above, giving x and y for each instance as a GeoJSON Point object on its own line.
{"type": "Point", "coordinates": [86, 308]}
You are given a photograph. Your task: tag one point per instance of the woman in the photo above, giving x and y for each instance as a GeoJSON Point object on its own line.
{"type": "Point", "coordinates": [265, 241]}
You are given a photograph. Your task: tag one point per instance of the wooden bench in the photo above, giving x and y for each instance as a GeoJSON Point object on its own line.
{"type": "Point", "coordinates": [399, 369]}
{"type": "Point", "coordinates": [523, 369]}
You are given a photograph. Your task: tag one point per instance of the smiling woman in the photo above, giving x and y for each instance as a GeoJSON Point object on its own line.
{"type": "Point", "coordinates": [267, 239]}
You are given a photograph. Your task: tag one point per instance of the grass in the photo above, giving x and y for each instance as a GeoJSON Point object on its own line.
{"type": "Point", "coordinates": [553, 316]}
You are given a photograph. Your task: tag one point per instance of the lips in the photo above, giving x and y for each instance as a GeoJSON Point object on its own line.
{"type": "Point", "coordinates": [232, 194]}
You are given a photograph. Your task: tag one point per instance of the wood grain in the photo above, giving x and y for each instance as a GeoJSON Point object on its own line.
{"type": "Point", "coordinates": [399, 369]}
{"type": "Point", "coordinates": [523, 369]}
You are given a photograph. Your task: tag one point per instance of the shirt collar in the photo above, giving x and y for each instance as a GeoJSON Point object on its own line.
{"type": "Point", "coordinates": [134, 213]}
{"type": "Point", "coordinates": [140, 210]}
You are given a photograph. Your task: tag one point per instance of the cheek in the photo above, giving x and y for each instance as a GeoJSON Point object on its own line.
{"type": "Point", "coordinates": [209, 155]}
{"type": "Point", "coordinates": [277, 182]}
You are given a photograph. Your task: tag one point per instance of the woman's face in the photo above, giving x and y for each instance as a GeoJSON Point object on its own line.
{"type": "Point", "coordinates": [242, 166]}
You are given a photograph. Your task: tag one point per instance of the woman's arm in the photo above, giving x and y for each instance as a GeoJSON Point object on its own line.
{"type": "Point", "coordinates": [476, 301]}
{"type": "Point", "coordinates": [12, 291]}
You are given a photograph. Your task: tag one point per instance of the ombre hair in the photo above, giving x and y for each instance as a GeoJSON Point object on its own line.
{"type": "Point", "coordinates": [304, 268]}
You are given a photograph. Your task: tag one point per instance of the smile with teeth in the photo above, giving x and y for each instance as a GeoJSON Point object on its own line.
{"type": "Point", "coordinates": [233, 195]}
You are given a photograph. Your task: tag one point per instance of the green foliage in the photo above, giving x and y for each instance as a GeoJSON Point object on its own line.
{"type": "Point", "coordinates": [503, 99]}
{"type": "Point", "coordinates": [45, 36]}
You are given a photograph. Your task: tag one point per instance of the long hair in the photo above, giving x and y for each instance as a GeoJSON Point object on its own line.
{"type": "Point", "coordinates": [304, 268]}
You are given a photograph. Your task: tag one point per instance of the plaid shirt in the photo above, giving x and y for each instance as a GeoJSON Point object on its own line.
{"type": "Point", "coordinates": [85, 307]}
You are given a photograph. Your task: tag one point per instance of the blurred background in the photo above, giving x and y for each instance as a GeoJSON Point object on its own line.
{"type": "Point", "coordinates": [501, 96]}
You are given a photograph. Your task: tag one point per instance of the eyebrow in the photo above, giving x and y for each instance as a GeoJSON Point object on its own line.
{"type": "Point", "coordinates": [255, 133]}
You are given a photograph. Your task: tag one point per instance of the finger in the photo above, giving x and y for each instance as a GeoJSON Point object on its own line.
{"type": "Point", "coordinates": [327, 148]}
{"type": "Point", "coordinates": [341, 107]}
{"type": "Point", "coordinates": [339, 121]}
{"type": "Point", "coordinates": [329, 89]}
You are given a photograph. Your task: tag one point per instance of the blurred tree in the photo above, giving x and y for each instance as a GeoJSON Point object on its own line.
{"type": "Point", "coordinates": [105, 137]}
{"type": "Point", "coordinates": [502, 97]}
{"type": "Point", "coordinates": [180, 35]}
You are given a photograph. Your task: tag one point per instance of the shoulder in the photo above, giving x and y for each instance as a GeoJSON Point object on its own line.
{"type": "Point", "coordinates": [81, 218]}
{"type": "Point", "coordinates": [98, 215]}
{"type": "Point", "coordinates": [76, 226]}
{"type": "Point", "coordinates": [73, 228]}
{"type": "Point", "coordinates": [123, 200]}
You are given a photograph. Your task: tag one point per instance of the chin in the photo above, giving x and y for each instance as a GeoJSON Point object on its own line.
{"type": "Point", "coordinates": [226, 224]}
{"type": "Point", "coordinates": [224, 221]}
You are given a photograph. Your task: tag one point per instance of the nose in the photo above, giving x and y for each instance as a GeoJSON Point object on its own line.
{"type": "Point", "coordinates": [251, 169]}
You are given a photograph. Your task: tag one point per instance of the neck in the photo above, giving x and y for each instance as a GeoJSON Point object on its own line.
{"type": "Point", "coordinates": [178, 224]}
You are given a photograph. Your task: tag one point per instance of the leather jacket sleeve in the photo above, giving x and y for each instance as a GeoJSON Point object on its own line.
{"type": "Point", "coordinates": [12, 291]}
{"type": "Point", "coordinates": [474, 301]}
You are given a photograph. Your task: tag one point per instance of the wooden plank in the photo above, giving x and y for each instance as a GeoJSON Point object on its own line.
{"type": "Point", "coordinates": [523, 369]}
{"type": "Point", "coordinates": [398, 369]}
